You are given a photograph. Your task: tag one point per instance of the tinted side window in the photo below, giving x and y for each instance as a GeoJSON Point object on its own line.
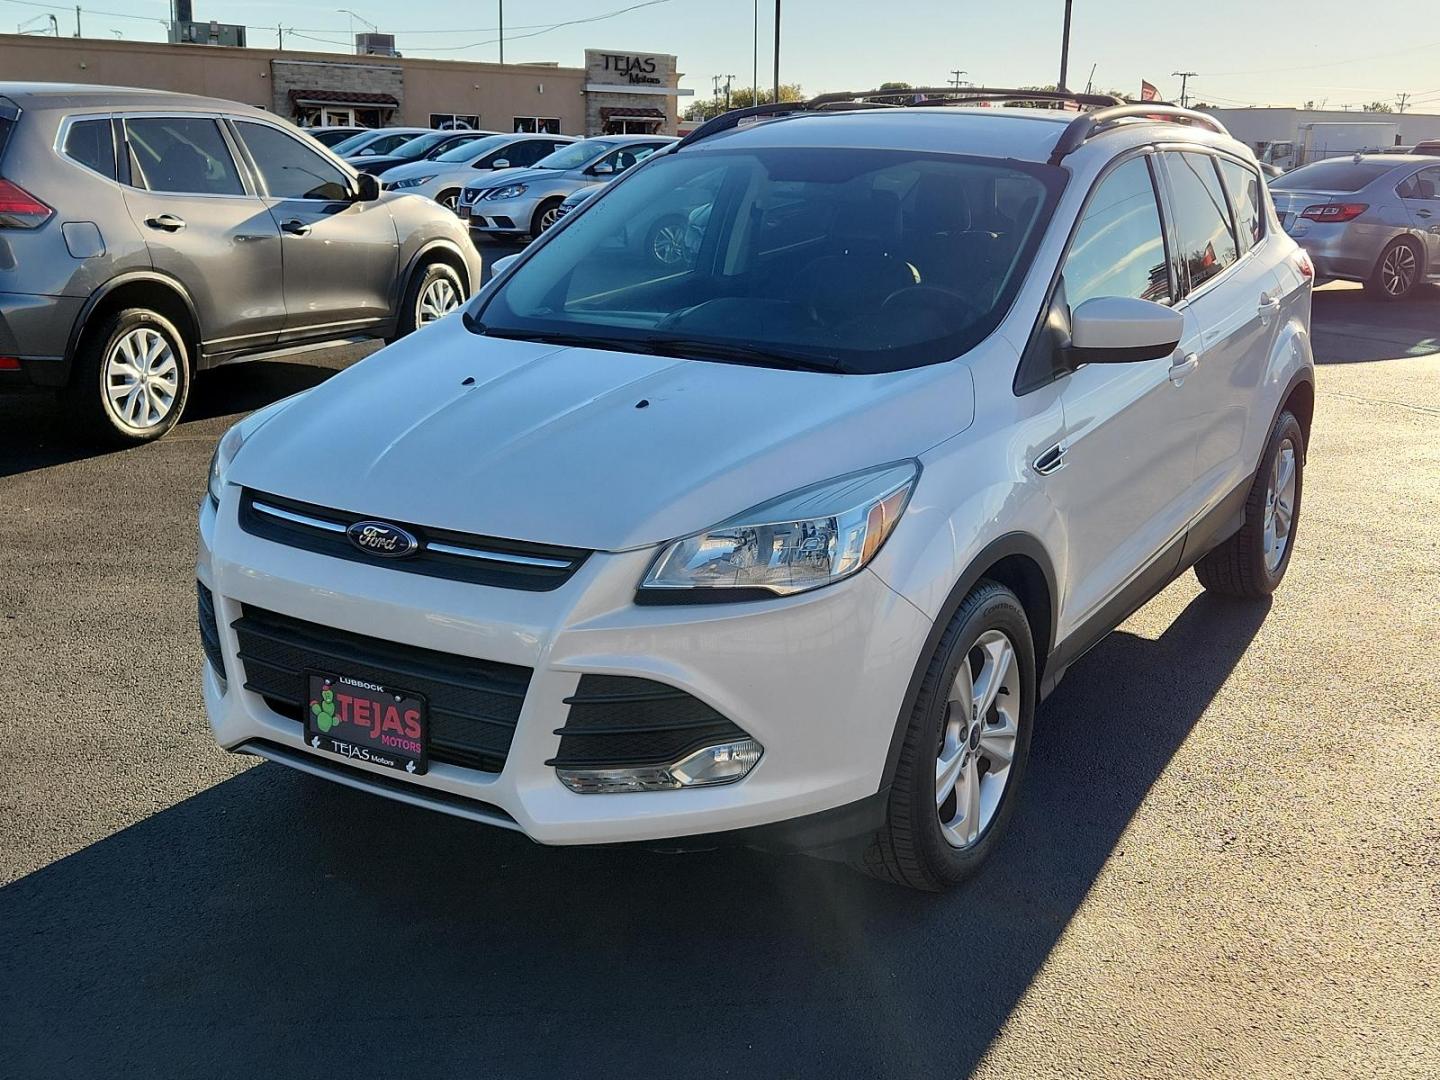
{"type": "Point", "coordinates": [1202, 217]}
{"type": "Point", "coordinates": [90, 143]}
{"type": "Point", "coordinates": [1244, 185]}
{"type": "Point", "coordinates": [1119, 247]}
{"type": "Point", "coordinates": [181, 154]}
{"type": "Point", "coordinates": [290, 169]}
{"type": "Point", "coordinates": [526, 153]}
{"type": "Point", "coordinates": [1423, 185]}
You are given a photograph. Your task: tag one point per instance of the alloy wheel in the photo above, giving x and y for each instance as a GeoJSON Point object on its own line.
{"type": "Point", "coordinates": [977, 744]}
{"type": "Point", "coordinates": [1280, 505]}
{"type": "Point", "coordinates": [1397, 272]}
{"type": "Point", "coordinates": [549, 217]}
{"type": "Point", "coordinates": [437, 300]}
{"type": "Point", "coordinates": [668, 246]}
{"type": "Point", "coordinates": [141, 378]}
{"type": "Point", "coordinates": [451, 201]}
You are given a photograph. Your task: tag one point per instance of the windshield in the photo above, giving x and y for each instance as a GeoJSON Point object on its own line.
{"type": "Point", "coordinates": [574, 155]}
{"type": "Point", "coordinates": [849, 260]}
{"type": "Point", "coordinates": [1336, 174]}
{"type": "Point", "coordinates": [471, 149]}
{"type": "Point", "coordinates": [354, 142]}
{"type": "Point", "coordinates": [416, 147]}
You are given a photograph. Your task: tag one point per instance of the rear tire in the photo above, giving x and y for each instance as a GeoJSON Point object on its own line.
{"type": "Point", "coordinates": [131, 378]}
{"type": "Point", "coordinates": [1252, 563]}
{"type": "Point", "coordinates": [1397, 272]}
{"type": "Point", "coordinates": [975, 708]}
{"type": "Point", "coordinates": [434, 292]}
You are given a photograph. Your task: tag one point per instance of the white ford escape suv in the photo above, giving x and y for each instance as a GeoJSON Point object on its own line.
{"type": "Point", "coordinates": [783, 540]}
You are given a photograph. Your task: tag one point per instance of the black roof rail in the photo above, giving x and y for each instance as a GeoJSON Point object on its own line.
{"type": "Point", "coordinates": [1083, 127]}
{"type": "Point", "coordinates": [726, 121]}
{"type": "Point", "coordinates": [953, 95]}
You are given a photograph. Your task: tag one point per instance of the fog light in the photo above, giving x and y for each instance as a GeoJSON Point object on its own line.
{"type": "Point", "coordinates": [722, 764]}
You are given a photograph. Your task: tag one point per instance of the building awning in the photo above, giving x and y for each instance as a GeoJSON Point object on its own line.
{"type": "Point", "coordinates": [344, 97]}
{"type": "Point", "coordinates": [631, 112]}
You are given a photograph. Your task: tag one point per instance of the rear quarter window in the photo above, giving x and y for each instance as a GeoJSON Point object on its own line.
{"type": "Point", "coordinates": [9, 113]}
{"type": "Point", "coordinates": [92, 144]}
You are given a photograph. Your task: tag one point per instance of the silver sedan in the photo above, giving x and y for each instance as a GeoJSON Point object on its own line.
{"type": "Point", "coordinates": [1373, 218]}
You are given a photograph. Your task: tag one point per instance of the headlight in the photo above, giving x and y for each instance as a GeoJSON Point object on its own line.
{"type": "Point", "coordinates": [511, 192]}
{"type": "Point", "coordinates": [235, 438]}
{"type": "Point", "coordinates": [800, 541]}
{"type": "Point", "coordinates": [412, 181]}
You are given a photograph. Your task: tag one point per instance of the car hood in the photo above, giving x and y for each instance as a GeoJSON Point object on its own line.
{"type": "Point", "coordinates": [502, 177]}
{"type": "Point", "coordinates": [420, 168]}
{"type": "Point", "coordinates": [582, 447]}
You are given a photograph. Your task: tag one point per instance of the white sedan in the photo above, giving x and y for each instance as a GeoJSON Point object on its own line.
{"type": "Point", "coordinates": [442, 178]}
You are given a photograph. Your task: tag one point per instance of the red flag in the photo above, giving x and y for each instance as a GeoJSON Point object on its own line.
{"type": "Point", "coordinates": [1149, 91]}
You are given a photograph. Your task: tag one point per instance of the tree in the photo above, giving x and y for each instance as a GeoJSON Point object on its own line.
{"type": "Point", "coordinates": [1380, 106]}
{"type": "Point", "coordinates": [742, 98]}
{"type": "Point", "coordinates": [895, 86]}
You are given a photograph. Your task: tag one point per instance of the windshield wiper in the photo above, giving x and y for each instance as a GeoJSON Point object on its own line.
{"type": "Point", "coordinates": [680, 348]}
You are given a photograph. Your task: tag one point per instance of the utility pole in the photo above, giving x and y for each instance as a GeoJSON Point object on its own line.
{"type": "Point", "coordinates": [955, 74]}
{"type": "Point", "coordinates": [501, 5]}
{"type": "Point", "coordinates": [777, 52]}
{"type": "Point", "coordinates": [1185, 77]}
{"type": "Point", "coordinates": [728, 80]}
{"type": "Point", "coordinates": [279, 37]}
{"type": "Point", "coordinates": [1090, 82]}
{"type": "Point", "coordinates": [1065, 49]}
{"type": "Point", "coordinates": [755, 58]}
{"type": "Point", "coordinates": [1401, 102]}
{"type": "Point", "coordinates": [77, 20]}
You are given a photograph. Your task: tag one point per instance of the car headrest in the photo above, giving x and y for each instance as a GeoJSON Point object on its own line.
{"type": "Point", "coordinates": [940, 206]}
{"type": "Point", "coordinates": [870, 225]}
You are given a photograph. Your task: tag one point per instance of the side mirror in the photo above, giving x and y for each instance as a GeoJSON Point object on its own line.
{"type": "Point", "coordinates": [500, 265]}
{"type": "Point", "coordinates": [367, 188]}
{"type": "Point", "coordinates": [1122, 329]}
{"type": "Point", "coordinates": [500, 163]}
{"type": "Point", "coordinates": [602, 169]}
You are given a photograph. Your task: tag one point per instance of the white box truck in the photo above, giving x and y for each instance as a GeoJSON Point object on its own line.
{"type": "Point", "coordinates": [1317, 140]}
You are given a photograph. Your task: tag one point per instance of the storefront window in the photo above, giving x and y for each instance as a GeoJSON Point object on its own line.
{"type": "Point", "coordinates": [454, 121]}
{"type": "Point", "coordinates": [538, 125]}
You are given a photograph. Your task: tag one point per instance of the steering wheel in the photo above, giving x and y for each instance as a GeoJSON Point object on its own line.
{"type": "Point", "coordinates": [931, 299]}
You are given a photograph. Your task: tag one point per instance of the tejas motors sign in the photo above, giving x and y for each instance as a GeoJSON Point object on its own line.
{"type": "Point", "coordinates": [622, 68]}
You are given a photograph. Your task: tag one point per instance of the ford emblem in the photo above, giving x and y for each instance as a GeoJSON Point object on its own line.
{"type": "Point", "coordinates": [378, 538]}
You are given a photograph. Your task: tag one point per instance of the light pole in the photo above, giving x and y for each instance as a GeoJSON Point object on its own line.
{"type": "Point", "coordinates": [501, 4]}
{"type": "Point", "coordinates": [755, 60]}
{"type": "Point", "coordinates": [1065, 49]}
{"type": "Point", "coordinates": [353, 17]}
{"type": "Point", "coordinates": [777, 52]}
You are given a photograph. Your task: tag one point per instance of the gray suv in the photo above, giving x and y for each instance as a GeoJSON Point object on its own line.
{"type": "Point", "coordinates": [145, 236]}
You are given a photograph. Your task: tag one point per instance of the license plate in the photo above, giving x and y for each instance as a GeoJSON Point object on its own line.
{"type": "Point", "coordinates": [363, 721]}
{"type": "Point", "coordinates": [463, 211]}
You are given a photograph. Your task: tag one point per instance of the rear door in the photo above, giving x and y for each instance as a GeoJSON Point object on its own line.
{"type": "Point", "coordinates": [204, 226]}
{"type": "Point", "coordinates": [341, 255]}
{"type": "Point", "coordinates": [1121, 478]}
{"type": "Point", "coordinates": [1231, 300]}
{"type": "Point", "coordinates": [1421, 195]}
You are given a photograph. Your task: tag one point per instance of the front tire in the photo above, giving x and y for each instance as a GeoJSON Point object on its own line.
{"type": "Point", "coordinates": [546, 215]}
{"type": "Point", "coordinates": [965, 749]}
{"type": "Point", "coordinates": [450, 200]}
{"type": "Point", "coordinates": [131, 378]}
{"type": "Point", "coordinates": [1252, 563]}
{"type": "Point", "coordinates": [1397, 273]}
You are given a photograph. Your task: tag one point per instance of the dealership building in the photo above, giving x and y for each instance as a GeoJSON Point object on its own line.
{"type": "Point", "coordinates": [617, 90]}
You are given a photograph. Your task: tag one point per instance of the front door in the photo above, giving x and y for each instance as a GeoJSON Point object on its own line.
{"type": "Point", "coordinates": [1121, 477]}
{"type": "Point", "coordinates": [183, 188]}
{"type": "Point", "coordinates": [341, 256]}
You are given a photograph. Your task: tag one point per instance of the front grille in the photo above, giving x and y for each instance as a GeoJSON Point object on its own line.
{"type": "Point", "coordinates": [209, 628]}
{"type": "Point", "coordinates": [620, 722]}
{"type": "Point", "coordinates": [473, 704]}
{"type": "Point", "coordinates": [479, 560]}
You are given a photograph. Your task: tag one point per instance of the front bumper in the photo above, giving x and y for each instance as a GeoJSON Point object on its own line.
{"type": "Point", "coordinates": [816, 678]}
{"type": "Point", "coordinates": [503, 216]}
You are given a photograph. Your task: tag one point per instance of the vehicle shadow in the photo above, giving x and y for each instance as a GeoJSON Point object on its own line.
{"type": "Point", "coordinates": [276, 924]}
{"type": "Point", "coordinates": [36, 431]}
{"type": "Point", "coordinates": [1348, 326]}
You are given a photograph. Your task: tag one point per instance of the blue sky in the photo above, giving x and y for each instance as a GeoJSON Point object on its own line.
{"type": "Point", "coordinates": [1246, 51]}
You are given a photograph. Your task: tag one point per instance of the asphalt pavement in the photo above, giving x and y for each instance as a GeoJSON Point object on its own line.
{"type": "Point", "coordinates": [1226, 862]}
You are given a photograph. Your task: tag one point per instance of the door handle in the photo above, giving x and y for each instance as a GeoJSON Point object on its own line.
{"type": "Point", "coordinates": [1052, 460]}
{"type": "Point", "coordinates": [1182, 368]}
{"type": "Point", "coordinates": [166, 222]}
{"type": "Point", "coordinates": [296, 228]}
{"type": "Point", "coordinates": [1269, 307]}
{"type": "Point", "coordinates": [1422, 213]}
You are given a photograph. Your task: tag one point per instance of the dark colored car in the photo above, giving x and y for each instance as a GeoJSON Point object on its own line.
{"type": "Point", "coordinates": [329, 136]}
{"type": "Point", "coordinates": [420, 148]}
{"type": "Point", "coordinates": [145, 236]}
